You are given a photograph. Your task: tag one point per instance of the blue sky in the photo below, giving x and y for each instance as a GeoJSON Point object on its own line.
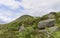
{"type": "Point", "coordinates": [12, 9]}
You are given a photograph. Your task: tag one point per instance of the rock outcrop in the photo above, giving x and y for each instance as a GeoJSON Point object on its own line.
{"type": "Point", "coordinates": [46, 23]}
{"type": "Point", "coordinates": [52, 15]}
{"type": "Point", "coordinates": [48, 32]}
{"type": "Point", "coordinates": [51, 27]}
{"type": "Point", "coordinates": [22, 28]}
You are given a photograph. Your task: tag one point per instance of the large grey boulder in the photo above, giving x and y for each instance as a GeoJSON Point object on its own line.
{"type": "Point", "coordinates": [46, 23]}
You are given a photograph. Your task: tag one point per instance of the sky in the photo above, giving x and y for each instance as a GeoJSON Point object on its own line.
{"type": "Point", "coordinates": [12, 9]}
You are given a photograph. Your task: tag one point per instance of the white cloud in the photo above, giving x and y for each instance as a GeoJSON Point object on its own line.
{"type": "Point", "coordinates": [31, 7]}
{"type": "Point", "coordinates": [4, 15]}
{"type": "Point", "coordinates": [11, 3]}
{"type": "Point", "coordinates": [37, 3]}
{"type": "Point", "coordinates": [30, 4]}
{"type": "Point", "coordinates": [4, 18]}
{"type": "Point", "coordinates": [40, 6]}
{"type": "Point", "coordinates": [8, 15]}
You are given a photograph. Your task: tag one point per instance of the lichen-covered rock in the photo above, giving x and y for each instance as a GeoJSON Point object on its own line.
{"type": "Point", "coordinates": [46, 23]}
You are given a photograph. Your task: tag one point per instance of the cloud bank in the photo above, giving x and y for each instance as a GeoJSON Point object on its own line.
{"type": "Point", "coordinates": [11, 9]}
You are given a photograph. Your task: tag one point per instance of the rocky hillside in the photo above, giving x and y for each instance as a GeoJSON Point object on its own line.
{"type": "Point", "coordinates": [26, 26]}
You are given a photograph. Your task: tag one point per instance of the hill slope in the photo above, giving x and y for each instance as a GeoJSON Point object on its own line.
{"type": "Point", "coordinates": [11, 30]}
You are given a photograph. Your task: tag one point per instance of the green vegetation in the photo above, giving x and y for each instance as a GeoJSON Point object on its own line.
{"type": "Point", "coordinates": [11, 30]}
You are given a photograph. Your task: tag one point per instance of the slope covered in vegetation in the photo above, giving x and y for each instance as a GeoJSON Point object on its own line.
{"type": "Point", "coordinates": [11, 30]}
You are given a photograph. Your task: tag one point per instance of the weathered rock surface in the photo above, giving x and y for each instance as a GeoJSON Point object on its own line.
{"type": "Point", "coordinates": [49, 32]}
{"type": "Point", "coordinates": [51, 15]}
{"type": "Point", "coordinates": [46, 23]}
{"type": "Point", "coordinates": [22, 28]}
{"type": "Point", "coordinates": [53, 29]}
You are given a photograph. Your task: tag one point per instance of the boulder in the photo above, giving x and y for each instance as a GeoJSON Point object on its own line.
{"type": "Point", "coordinates": [46, 23]}
{"type": "Point", "coordinates": [22, 28]}
{"type": "Point", "coordinates": [51, 16]}
{"type": "Point", "coordinates": [48, 32]}
{"type": "Point", "coordinates": [53, 29]}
